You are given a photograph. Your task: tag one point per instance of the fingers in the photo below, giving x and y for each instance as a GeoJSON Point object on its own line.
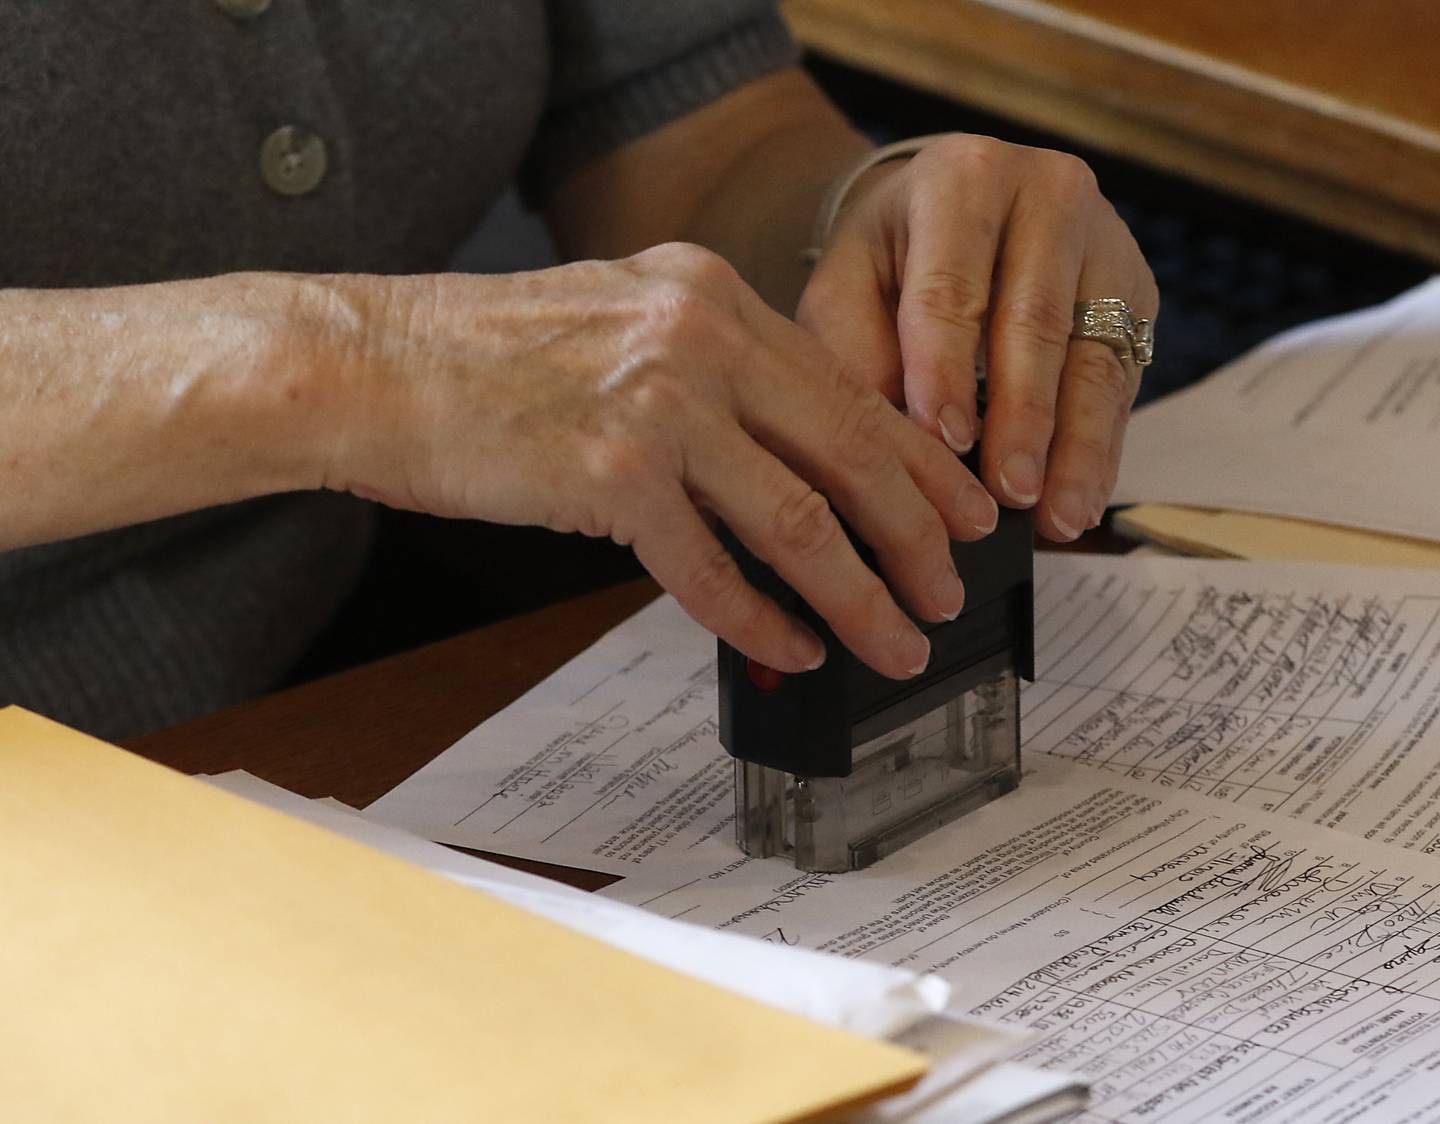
{"type": "Point", "coordinates": [954, 227]}
{"type": "Point", "coordinates": [792, 428]}
{"type": "Point", "coordinates": [1097, 389]}
{"type": "Point", "coordinates": [847, 307]}
{"type": "Point", "coordinates": [999, 240]}
{"type": "Point", "coordinates": [685, 557]}
{"type": "Point", "coordinates": [808, 430]}
{"type": "Point", "coordinates": [1031, 321]}
{"type": "Point", "coordinates": [970, 513]}
{"type": "Point", "coordinates": [829, 442]}
{"type": "Point", "coordinates": [790, 525]}
{"type": "Point", "coordinates": [844, 443]}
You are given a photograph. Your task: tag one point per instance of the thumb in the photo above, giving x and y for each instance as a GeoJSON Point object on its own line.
{"type": "Point", "coordinates": [848, 307]}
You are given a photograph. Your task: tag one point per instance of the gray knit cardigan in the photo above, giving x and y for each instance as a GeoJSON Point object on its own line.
{"type": "Point", "coordinates": [130, 133]}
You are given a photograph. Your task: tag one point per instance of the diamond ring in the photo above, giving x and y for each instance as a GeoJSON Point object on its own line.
{"type": "Point", "coordinates": [1109, 320]}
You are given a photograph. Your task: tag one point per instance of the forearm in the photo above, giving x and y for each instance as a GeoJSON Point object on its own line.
{"type": "Point", "coordinates": [127, 404]}
{"type": "Point", "coordinates": [761, 215]}
{"type": "Point", "coordinates": [743, 177]}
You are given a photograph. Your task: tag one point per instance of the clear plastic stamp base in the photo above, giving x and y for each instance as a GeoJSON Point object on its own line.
{"type": "Point", "coordinates": [903, 784]}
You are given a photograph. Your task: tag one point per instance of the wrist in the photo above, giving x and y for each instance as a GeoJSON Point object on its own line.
{"type": "Point", "coordinates": [857, 182]}
{"type": "Point", "coordinates": [868, 186]}
{"type": "Point", "coordinates": [320, 386]}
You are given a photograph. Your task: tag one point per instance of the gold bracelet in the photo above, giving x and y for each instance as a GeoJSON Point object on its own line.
{"type": "Point", "coordinates": [842, 185]}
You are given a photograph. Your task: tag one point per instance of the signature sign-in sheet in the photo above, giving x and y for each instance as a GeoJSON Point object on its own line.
{"type": "Point", "coordinates": [1313, 691]}
{"type": "Point", "coordinates": [1215, 895]}
{"type": "Point", "coordinates": [1192, 960]}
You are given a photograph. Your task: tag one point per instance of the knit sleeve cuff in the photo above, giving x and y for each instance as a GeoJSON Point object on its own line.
{"type": "Point", "coordinates": [571, 136]}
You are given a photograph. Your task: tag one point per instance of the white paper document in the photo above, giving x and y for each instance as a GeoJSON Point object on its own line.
{"type": "Point", "coordinates": [1193, 960]}
{"type": "Point", "coordinates": [1337, 421]}
{"type": "Point", "coordinates": [1312, 690]}
{"type": "Point", "coordinates": [613, 762]}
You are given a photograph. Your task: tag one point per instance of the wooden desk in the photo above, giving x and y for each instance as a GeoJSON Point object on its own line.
{"type": "Point", "coordinates": [1327, 108]}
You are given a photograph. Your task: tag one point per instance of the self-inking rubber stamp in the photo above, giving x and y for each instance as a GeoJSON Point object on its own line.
{"type": "Point", "coordinates": [841, 766]}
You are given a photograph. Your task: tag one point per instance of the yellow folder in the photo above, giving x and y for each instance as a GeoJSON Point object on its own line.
{"type": "Point", "coordinates": [1241, 534]}
{"type": "Point", "coordinates": [169, 952]}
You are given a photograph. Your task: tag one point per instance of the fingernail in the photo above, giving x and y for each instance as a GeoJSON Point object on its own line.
{"type": "Point", "coordinates": [913, 651]}
{"type": "Point", "coordinates": [955, 428]}
{"type": "Point", "coordinates": [1020, 477]}
{"type": "Point", "coordinates": [808, 650]}
{"type": "Point", "coordinates": [978, 508]}
{"type": "Point", "coordinates": [949, 593]}
{"type": "Point", "coordinates": [1097, 515]}
{"type": "Point", "coordinates": [1070, 512]}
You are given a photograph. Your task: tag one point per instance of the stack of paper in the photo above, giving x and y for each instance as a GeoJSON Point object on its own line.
{"type": "Point", "coordinates": [968, 1079]}
{"type": "Point", "coordinates": [1327, 438]}
{"type": "Point", "coordinates": [867, 999]}
{"type": "Point", "coordinates": [179, 953]}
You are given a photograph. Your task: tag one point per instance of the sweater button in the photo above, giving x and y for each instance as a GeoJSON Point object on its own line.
{"type": "Point", "coordinates": [292, 160]}
{"type": "Point", "coordinates": [242, 9]}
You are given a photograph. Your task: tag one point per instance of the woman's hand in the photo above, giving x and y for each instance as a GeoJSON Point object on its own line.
{"type": "Point", "coordinates": [976, 251]}
{"type": "Point", "coordinates": [638, 399]}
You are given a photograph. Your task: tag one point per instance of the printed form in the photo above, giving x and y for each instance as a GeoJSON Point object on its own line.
{"type": "Point", "coordinates": [1336, 421]}
{"type": "Point", "coordinates": [613, 762]}
{"type": "Point", "coordinates": [1192, 960]}
{"type": "Point", "coordinates": [1310, 690]}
